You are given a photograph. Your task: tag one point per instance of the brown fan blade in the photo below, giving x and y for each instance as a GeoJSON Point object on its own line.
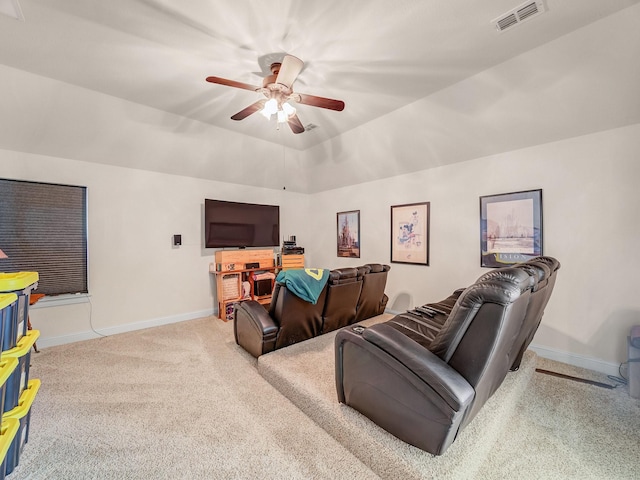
{"type": "Point", "coordinates": [289, 70]}
{"type": "Point", "coordinates": [232, 83]}
{"type": "Point", "coordinates": [256, 107]}
{"type": "Point", "coordinates": [319, 101]}
{"type": "Point", "coordinates": [295, 124]}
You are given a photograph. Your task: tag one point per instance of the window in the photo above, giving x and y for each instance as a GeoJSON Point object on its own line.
{"type": "Point", "coordinates": [43, 228]}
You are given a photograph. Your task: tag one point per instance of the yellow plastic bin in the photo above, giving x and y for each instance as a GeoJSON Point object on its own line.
{"type": "Point", "coordinates": [22, 413]}
{"type": "Point", "coordinates": [7, 367]}
{"type": "Point", "coordinates": [17, 381]}
{"type": "Point", "coordinates": [8, 431]}
{"type": "Point", "coordinates": [8, 310]}
{"type": "Point", "coordinates": [21, 284]}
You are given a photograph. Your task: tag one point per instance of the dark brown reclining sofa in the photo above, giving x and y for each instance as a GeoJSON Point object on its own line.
{"type": "Point", "coordinates": [425, 374]}
{"type": "Point", "coordinates": [350, 295]}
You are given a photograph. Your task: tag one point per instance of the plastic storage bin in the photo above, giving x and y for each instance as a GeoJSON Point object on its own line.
{"type": "Point", "coordinates": [8, 432]}
{"type": "Point", "coordinates": [22, 413]}
{"type": "Point", "coordinates": [21, 284]}
{"type": "Point", "coordinates": [17, 381]}
{"type": "Point", "coordinates": [7, 367]}
{"type": "Point", "coordinates": [8, 310]}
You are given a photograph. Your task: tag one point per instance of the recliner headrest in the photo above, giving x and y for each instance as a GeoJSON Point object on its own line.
{"type": "Point", "coordinates": [364, 269]}
{"type": "Point", "coordinates": [550, 262]}
{"type": "Point", "coordinates": [377, 267]}
{"type": "Point", "coordinates": [515, 276]}
{"type": "Point", "coordinates": [343, 275]}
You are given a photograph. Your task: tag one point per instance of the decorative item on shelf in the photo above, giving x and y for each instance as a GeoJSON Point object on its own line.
{"type": "Point", "coordinates": [229, 311]}
{"type": "Point", "coordinates": [230, 287]}
{"type": "Point", "coordinates": [246, 289]}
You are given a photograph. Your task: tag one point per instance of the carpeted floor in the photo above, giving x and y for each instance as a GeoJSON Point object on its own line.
{"type": "Point", "coordinates": [304, 373]}
{"type": "Point", "coordinates": [183, 401]}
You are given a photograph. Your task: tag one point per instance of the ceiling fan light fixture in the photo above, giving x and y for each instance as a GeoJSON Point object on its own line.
{"type": "Point", "coordinates": [288, 109]}
{"type": "Point", "coordinates": [277, 88]}
{"type": "Point", "coordinates": [270, 108]}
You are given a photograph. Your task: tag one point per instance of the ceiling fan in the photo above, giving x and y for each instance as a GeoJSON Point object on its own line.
{"type": "Point", "coordinates": [277, 88]}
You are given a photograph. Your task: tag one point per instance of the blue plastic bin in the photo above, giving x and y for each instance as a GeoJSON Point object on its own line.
{"type": "Point", "coordinates": [8, 431]}
{"type": "Point", "coordinates": [8, 310]}
{"type": "Point", "coordinates": [17, 381]}
{"type": "Point", "coordinates": [20, 284]}
{"type": "Point", "coordinates": [8, 365]}
{"type": "Point", "coordinates": [22, 413]}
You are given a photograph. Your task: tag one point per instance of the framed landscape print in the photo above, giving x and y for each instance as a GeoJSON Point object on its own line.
{"type": "Point", "coordinates": [510, 228]}
{"type": "Point", "coordinates": [410, 233]}
{"type": "Point", "coordinates": [349, 234]}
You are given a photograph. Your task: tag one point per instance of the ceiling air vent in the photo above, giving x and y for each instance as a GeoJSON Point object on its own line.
{"type": "Point", "coordinates": [519, 14]}
{"type": "Point", "coordinates": [309, 126]}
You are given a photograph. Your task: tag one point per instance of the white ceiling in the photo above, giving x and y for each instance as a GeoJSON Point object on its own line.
{"type": "Point", "coordinates": [375, 55]}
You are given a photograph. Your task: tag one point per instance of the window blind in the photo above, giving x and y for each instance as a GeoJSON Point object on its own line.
{"type": "Point", "coordinates": [43, 228]}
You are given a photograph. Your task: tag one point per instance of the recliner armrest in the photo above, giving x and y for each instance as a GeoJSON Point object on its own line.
{"type": "Point", "coordinates": [254, 329]}
{"type": "Point", "coordinates": [443, 379]}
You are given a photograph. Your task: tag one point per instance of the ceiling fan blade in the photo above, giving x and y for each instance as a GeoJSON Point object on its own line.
{"type": "Point", "coordinates": [256, 107]}
{"type": "Point", "coordinates": [319, 101]}
{"type": "Point", "coordinates": [232, 83]}
{"type": "Point", "coordinates": [295, 124]}
{"type": "Point", "coordinates": [289, 70]}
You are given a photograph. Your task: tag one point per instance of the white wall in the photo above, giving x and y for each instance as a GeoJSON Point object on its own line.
{"type": "Point", "coordinates": [590, 205]}
{"type": "Point", "coordinates": [590, 200]}
{"type": "Point", "coordinates": [136, 277]}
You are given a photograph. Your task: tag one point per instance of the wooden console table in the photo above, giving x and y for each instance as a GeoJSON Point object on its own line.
{"type": "Point", "coordinates": [231, 269]}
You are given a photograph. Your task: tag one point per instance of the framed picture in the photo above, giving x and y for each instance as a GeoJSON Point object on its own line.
{"type": "Point", "coordinates": [349, 234]}
{"type": "Point", "coordinates": [410, 233]}
{"type": "Point", "coordinates": [510, 228]}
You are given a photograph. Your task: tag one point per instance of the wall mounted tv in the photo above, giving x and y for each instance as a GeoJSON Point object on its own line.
{"type": "Point", "coordinates": [235, 224]}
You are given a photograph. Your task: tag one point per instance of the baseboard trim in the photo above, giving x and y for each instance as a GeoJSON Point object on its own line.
{"type": "Point", "coordinates": [582, 361]}
{"type": "Point", "coordinates": [44, 341]}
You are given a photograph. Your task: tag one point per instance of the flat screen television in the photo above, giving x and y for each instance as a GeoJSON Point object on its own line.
{"type": "Point", "coordinates": [236, 224]}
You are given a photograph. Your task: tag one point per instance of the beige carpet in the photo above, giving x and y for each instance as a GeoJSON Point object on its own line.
{"type": "Point", "coordinates": [180, 401]}
{"type": "Point", "coordinates": [183, 401]}
{"type": "Point", "coordinates": [569, 430]}
{"type": "Point", "coordinates": [304, 373]}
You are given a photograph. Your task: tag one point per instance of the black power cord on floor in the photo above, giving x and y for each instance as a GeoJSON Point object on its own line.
{"type": "Point", "coordinates": [621, 380]}
{"type": "Point", "coordinates": [576, 379]}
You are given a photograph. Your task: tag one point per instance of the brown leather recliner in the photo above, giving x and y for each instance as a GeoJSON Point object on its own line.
{"type": "Point", "coordinates": [291, 320]}
{"type": "Point", "coordinates": [373, 300]}
{"type": "Point", "coordinates": [343, 291]}
{"type": "Point", "coordinates": [544, 270]}
{"type": "Point", "coordinates": [424, 384]}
